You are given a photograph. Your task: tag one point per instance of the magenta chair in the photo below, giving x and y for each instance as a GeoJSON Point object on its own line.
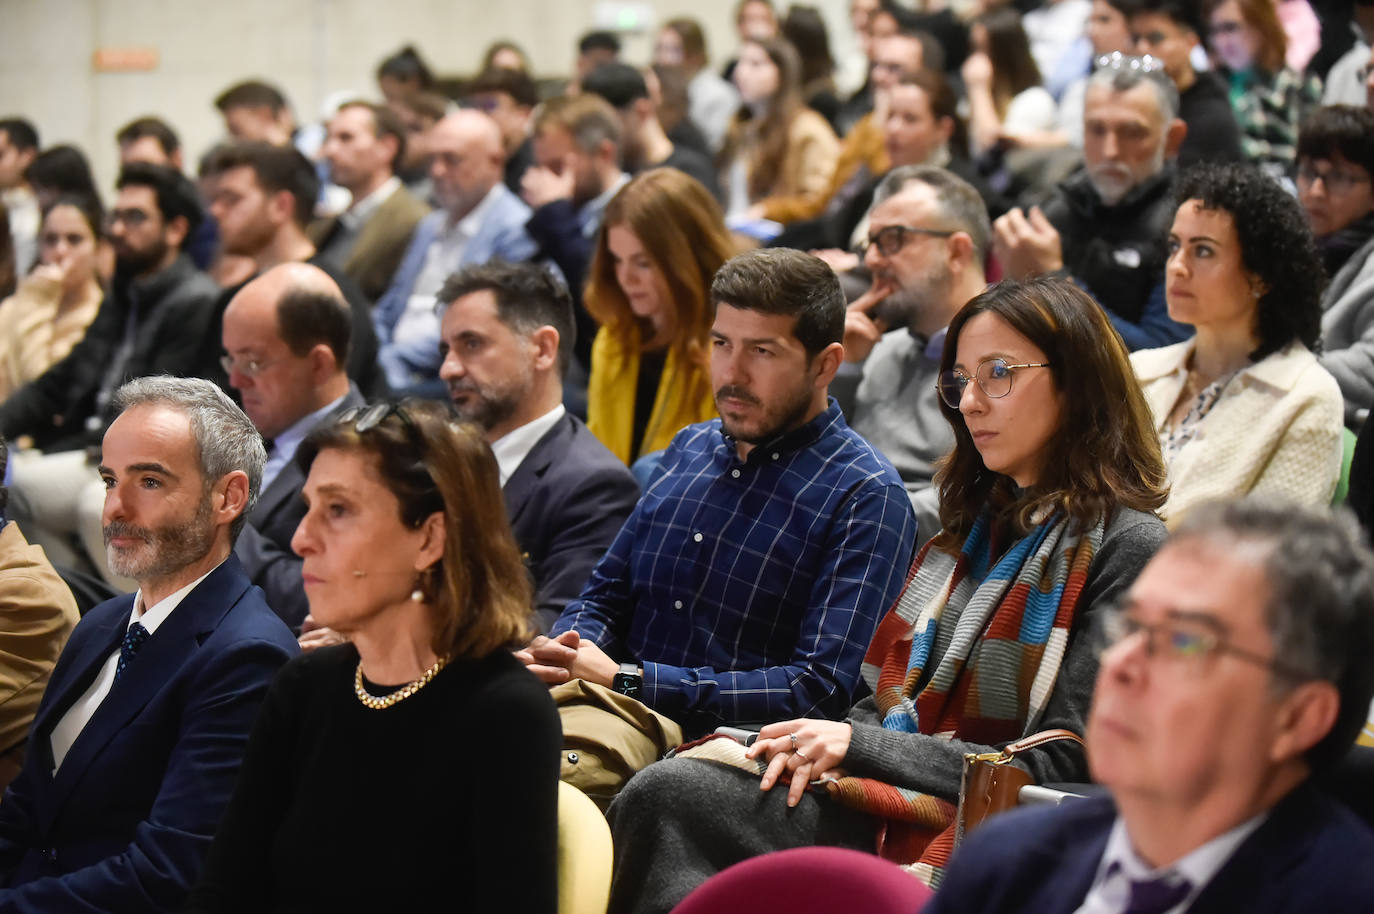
{"type": "Point", "coordinates": [810, 880]}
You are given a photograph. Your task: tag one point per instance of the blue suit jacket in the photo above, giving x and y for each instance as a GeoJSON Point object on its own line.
{"type": "Point", "coordinates": [125, 823]}
{"type": "Point", "coordinates": [1311, 854]}
{"type": "Point", "coordinates": [566, 502]}
{"type": "Point", "coordinates": [501, 235]}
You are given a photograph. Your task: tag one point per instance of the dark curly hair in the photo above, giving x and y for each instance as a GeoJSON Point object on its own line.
{"type": "Point", "coordinates": [1276, 245]}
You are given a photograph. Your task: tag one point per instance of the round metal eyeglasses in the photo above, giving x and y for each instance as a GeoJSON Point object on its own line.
{"type": "Point", "coordinates": [993, 377]}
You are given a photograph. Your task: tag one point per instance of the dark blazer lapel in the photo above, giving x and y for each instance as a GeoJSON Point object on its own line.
{"type": "Point", "coordinates": [76, 673]}
{"type": "Point", "coordinates": [526, 477]}
{"type": "Point", "coordinates": [176, 638]}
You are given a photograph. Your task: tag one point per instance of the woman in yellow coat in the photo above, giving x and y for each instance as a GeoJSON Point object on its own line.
{"type": "Point", "coordinates": [661, 240]}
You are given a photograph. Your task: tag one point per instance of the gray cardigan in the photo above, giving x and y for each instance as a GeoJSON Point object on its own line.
{"type": "Point", "coordinates": [1348, 331]}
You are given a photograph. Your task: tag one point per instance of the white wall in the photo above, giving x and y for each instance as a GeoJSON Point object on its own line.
{"type": "Point", "coordinates": [308, 47]}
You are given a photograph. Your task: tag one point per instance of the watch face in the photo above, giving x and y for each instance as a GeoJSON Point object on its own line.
{"type": "Point", "coordinates": [626, 684]}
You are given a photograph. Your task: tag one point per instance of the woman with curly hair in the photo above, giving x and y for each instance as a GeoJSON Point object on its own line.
{"type": "Point", "coordinates": [1244, 405]}
{"type": "Point", "coordinates": [661, 240]}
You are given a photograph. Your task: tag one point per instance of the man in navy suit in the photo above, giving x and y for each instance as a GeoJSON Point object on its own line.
{"type": "Point", "coordinates": [136, 743]}
{"type": "Point", "coordinates": [286, 338]}
{"type": "Point", "coordinates": [507, 340]}
{"type": "Point", "coordinates": [1237, 668]}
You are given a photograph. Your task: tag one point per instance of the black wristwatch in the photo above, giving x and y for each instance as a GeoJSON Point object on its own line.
{"type": "Point", "coordinates": [628, 681]}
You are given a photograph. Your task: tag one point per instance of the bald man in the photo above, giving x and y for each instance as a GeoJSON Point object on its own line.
{"type": "Point", "coordinates": [286, 337]}
{"type": "Point", "coordinates": [479, 220]}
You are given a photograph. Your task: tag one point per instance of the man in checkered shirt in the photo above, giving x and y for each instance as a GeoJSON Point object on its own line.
{"type": "Point", "coordinates": [748, 581]}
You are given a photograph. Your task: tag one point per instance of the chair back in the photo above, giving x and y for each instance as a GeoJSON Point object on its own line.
{"type": "Point", "coordinates": [810, 880]}
{"type": "Point", "coordinates": [584, 854]}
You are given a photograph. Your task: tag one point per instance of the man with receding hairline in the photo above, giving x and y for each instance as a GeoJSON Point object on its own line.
{"type": "Point", "coordinates": [479, 220]}
{"type": "Point", "coordinates": [286, 338]}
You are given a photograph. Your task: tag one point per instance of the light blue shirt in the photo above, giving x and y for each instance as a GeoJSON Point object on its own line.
{"type": "Point", "coordinates": [284, 445]}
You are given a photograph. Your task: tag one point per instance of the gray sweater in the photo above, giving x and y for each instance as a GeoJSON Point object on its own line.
{"type": "Point", "coordinates": [934, 765]}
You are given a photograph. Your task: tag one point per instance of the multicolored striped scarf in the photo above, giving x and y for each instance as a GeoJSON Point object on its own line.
{"type": "Point", "coordinates": [971, 650]}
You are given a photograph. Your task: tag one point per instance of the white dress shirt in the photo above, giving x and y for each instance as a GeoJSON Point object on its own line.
{"type": "Point", "coordinates": [1121, 866]}
{"type": "Point", "coordinates": [84, 708]}
{"type": "Point", "coordinates": [511, 449]}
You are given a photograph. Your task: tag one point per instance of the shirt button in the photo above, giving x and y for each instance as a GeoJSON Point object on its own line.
{"type": "Point", "coordinates": [776, 455]}
{"type": "Point", "coordinates": [677, 604]}
{"type": "Point", "coordinates": [696, 537]}
{"type": "Point", "coordinates": [735, 473]}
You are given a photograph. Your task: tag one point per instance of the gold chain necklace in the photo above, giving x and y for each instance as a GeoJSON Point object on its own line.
{"type": "Point", "coordinates": [377, 704]}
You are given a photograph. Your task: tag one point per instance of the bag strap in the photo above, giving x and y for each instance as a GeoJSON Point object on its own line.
{"type": "Point", "coordinates": [1039, 739]}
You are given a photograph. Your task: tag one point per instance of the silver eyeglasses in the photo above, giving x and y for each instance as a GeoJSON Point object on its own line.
{"type": "Point", "coordinates": [249, 368]}
{"type": "Point", "coordinates": [1189, 641]}
{"type": "Point", "coordinates": [993, 377]}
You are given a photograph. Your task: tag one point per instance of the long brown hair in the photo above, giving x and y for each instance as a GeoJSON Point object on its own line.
{"type": "Point", "coordinates": [683, 232]}
{"type": "Point", "coordinates": [771, 130]}
{"type": "Point", "coordinates": [1104, 454]}
{"type": "Point", "coordinates": [479, 590]}
{"type": "Point", "coordinates": [1013, 66]}
{"type": "Point", "coordinates": [1263, 17]}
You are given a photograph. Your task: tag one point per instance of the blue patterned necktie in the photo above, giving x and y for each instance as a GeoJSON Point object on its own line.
{"type": "Point", "coordinates": [1155, 896]}
{"type": "Point", "coordinates": [133, 640]}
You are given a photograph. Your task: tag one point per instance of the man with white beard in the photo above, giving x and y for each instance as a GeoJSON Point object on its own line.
{"type": "Point", "coordinates": [1107, 225]}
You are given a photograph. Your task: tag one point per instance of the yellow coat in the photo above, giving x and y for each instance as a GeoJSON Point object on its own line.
{"type": "Point", "coordinates": [33, 336]}
{"type": "Point", "coordinates": [684, 396]}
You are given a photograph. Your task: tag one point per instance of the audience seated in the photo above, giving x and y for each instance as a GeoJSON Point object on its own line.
{"type": "Point", "coordinates": [430, 616]}
{"type": "Point", "coordinates": [141, 730]}
{"type": "Point", "coordinates": [748, 579]}
{"type": "Point", "coordinates": [1237, 669]}
{"type": "Point", "coordinates": [507, 337]}
{"type": "Point", "coordinates": [55, 303]}
{"type": "Point", "coordinates": [711, 100]}
{"type": "Point", "coordinates": [1335, 179]}
{"type": "Point", "coordinates": [152, 140]}
{"type": "Point", "coordinates": [1005, 95]}
{"type": "Point", "coordinates": [18, 148]}
{"type": "Point", "coordinates": [575, 175]}
{"type": "Point", "coordinates": [1047, 514]}
{"type": "Point", "coordinates": [644, 144]}
{"type": "Point", "coordinates": [506, 55]}
{"type": "Point", "coordinates": [755, 20]}
{"type": "Point", "coordinates": [927, 241]}
{"type": "Point", "coordinates": [1107, 30]}
{"type": "Point", "coordinates": [364, 145]}
{"type": "Point", "coordinates": [668, 90]}
{"type": "Point", "coordinates": [776, 147]}
{"type": "Point", "coordinates": [1054, 30]}
{"type": "Point", "coordinates": [419, 113]}
{"type": "Point", "coordinates": [661, 241]}
{"type": "Point", "coordinates": [286, 335]}
{"type": "Point", "coordinates": [510, 97]}
{"type": "Point", "coordinates": [1105, 226]}
{"type": "Point", "coordinates": [37, 613]}
{"type": "Point", "coordinates": [262, 196]}
{"type": "Point", "coordinates": [258, 111]}
{"type": "Point", "coordinates": [863, 154]}
{"type": "Point", "coordinates": [1243, 406]}
{"type": "Point", "coordinates": [1269, 99]}
{"type": "Point", "coordinates": [804, 27]}
{"type": "Point", "coordinates": [60, 171]}
{"type": "Point", "coordinates": [152, 321]}
{"type": "Point", "coordinates": [479, 219]}
{"type": "Point", "coordinates": [1171, 31]}
{"type": "Point", "coordinates": [594, 49]}
{"type": "Point", "coordinates": [1343, 84]}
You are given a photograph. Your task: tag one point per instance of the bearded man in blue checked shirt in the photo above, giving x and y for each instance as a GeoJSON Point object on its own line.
{"type": "Point", "coordinates": [747, 583]}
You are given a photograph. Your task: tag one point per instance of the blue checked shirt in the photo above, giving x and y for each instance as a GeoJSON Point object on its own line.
{"type": "Point", "coordinates": [749, 590]}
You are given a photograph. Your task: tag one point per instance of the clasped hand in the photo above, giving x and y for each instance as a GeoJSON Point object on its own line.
{"type": "Point", "coordinates": [566, 657]}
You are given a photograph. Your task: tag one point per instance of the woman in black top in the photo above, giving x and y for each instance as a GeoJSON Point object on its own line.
{"type": "Point", "coordinates": [419, 762]}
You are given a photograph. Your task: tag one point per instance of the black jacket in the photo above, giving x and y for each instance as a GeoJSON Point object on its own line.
{"type": "Point", "coordinates": [169, 314]}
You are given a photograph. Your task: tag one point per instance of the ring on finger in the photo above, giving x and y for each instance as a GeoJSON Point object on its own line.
{"type": "Point", "coordinates": [801, 755]}
{"type": "Point", "coordinates": [793, 738]}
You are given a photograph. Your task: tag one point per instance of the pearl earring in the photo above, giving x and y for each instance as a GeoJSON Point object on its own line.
{"type": "Point", "coordinates": [417, 595]}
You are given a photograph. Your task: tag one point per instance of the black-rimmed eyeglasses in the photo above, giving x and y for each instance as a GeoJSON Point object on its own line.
{"type": "Point", "coordinates": [892, 238]}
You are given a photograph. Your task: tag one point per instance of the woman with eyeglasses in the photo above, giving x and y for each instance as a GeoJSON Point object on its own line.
{"type": "Point", "coordinates": [1243, 406]}
{"type": "Point", "coordinates": [419, 761]}
{"type": "Point", "coordinates": [54, 304]}
{"type": "Point", "coordinates": [1046, 504]}
{"type": "Point", "coordinates": [1336, 187]}
{"type": "Point", "coordinates": [1269, 99]}
{"type": "Point", "coordinates": [661, 240]}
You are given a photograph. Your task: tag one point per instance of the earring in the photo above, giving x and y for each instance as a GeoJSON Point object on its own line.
{"type": "Point", "coordinates": [417, 595]}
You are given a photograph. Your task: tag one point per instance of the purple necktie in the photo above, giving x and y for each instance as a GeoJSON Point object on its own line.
{"type": "Point", "coordinates": [1155, 896]}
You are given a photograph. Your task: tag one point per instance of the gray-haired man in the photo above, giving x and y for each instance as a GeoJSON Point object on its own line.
{"type": "Point", "coordinates": [138, 738]}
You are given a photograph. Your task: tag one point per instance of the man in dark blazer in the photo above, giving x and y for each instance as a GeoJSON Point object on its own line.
{"type": "Point", "coordinates": [507, 335]}
{"type": "Point", "coordinates": [135, 747]}
{"type": "Point", "coordinates": [286, 338]}
{"type": "Point", "coordinates": [1237, 668]}
{"type": "Point", "coordinates": [367, 240]}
